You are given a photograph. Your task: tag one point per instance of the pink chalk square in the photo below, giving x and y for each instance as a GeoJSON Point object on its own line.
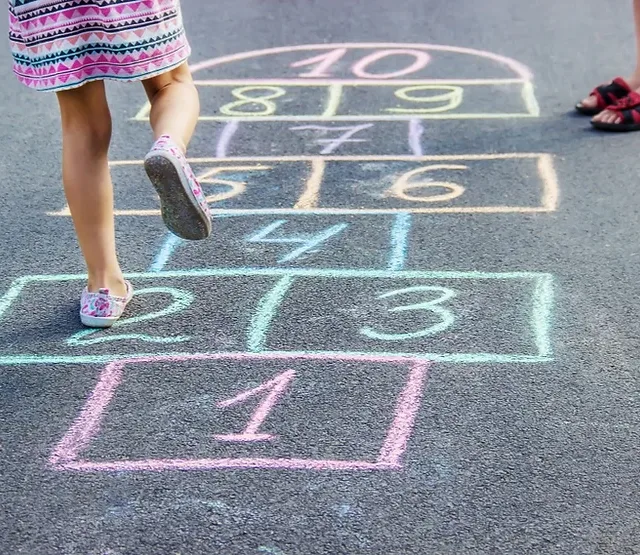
{"type": "Point", "coordinates": [264, 399]}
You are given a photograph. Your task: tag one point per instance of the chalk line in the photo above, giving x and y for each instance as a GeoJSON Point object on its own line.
{"type": "Point", "coordinates": [416, 130]}
{"type": "Point", "coordinates": [265, 314]}
{"type": "Point", "coordinates": [406, 410]}
{"type": "Point", "coordinates": [228, 131]}
{"type": "Point", "coordinates": [399, 241]}
{"type": "Point", "coordinates": [166, 250]}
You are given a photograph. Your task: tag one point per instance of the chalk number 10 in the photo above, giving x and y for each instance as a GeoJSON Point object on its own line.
{"type": "Point", "coordinates": [324, 62]}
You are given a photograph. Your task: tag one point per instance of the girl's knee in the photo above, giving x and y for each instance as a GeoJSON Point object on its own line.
{"type": "Point", "coordinates": [179, 75]}
{"type": "Point", "coordinates": [92, 132]}
{"type": "Point", "coordinates": [85, 116]}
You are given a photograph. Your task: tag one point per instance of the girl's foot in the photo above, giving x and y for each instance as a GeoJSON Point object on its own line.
{"type": "Point", "coordinates": [622, 116]}
{"type": "Point", "coordinates": [101, 309]}
{"type": "Point", "coordinates": [606, 95]}
{"type": "Point", "coordinates": [184, 207]}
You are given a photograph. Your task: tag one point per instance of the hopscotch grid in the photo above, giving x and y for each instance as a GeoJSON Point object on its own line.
{"type": "Point", "coordinates": [87, 425]}
{"type": "Point", "coordinates": [454, 358]}
{"type": "Point", "coordinates": [540, 318]}
{"type": "Point", "coordinates": [335, 87]}
{"type": "Point", "coordinates": [320, 117]}
{"type": "Point", "coordinates": [306, 203]}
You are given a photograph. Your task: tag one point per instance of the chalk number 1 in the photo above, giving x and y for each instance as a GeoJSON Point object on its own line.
{"type": "Point", "coordinates": [434, 307]}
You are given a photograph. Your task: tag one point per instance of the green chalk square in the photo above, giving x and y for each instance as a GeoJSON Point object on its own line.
{"type": "Point", "coordinates": [257, 336]}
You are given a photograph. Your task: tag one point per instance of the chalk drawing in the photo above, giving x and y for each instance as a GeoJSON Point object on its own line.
{"type": "Point", "coordinates": [169, 245]}
{"type": "Point", "coordinates": [519, 70]}
{"type": "Point", "coordinates": [265, 314]}
{"type": "Point", "coordinates": [325, 61]}
{"type": "Point", "coordinates": [307, 242]}
{"type": "Point", "coordinates": [333, 144]}
{"type": "Point", "coordinates": [416, 130]}
{"type": "Point", "coordinates": [422, 58]}
{"type": "Point", "coordinates": [264, 100]}
{"type": "Point", "coordinates": [548, 188]}
{"type": "Point", "coordinates": [323, 66]}
{"type": "Point", "coordinates": [453, 99]}
{"type": "Point", "coordinates": [402, 185]}
{"type": "Point", "coordinates": [228, 131]}
{"type": "Point", "coordinates": [333, 101]}
{"type": "Point", "coordinates": [432, 306]}
{"type": "Point", "coordinates": [399, 241]}
{"type": "Point", "coordinates": [540, 310]}
{"type": "Point", "coordinates": [66, 454]}
{"type": "Point", "coordinates": [271, 550]}
{"type": "Point", "coordinates": [309, 198]}
{"type": "Point", "coordinates": [181, 300]}
{"type": "Point", "coordinates": [236, 188]}
{"type": "Point", "coordinates": [275, 388]}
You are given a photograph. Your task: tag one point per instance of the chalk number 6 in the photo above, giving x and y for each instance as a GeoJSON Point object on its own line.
{"type": "Point", "coordinates": [433, 306]}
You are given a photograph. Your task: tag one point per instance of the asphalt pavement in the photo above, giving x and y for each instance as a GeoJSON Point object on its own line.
{"type": "Point", "coordinates": [414, 329]}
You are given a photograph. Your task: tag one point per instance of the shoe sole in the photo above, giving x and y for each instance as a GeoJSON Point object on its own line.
{"type": "Point", "coordinates": [97, 321]}
{"type": "Point", "coordinates": [180, 209]}
{"type": "Point", "coordinates": [588, 111]}
{"type": "Point", "coordinates": [616, 127]}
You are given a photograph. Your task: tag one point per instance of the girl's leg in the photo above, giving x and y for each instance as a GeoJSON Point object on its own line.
{"type": "Point", "coordinates": [633, 80]}
{"type": "Point", "coordinates": [175, 108]}
{"type": "Point", "coordinates": [175, 105]}
{"type": "Point", "coordinates": [86, 134]}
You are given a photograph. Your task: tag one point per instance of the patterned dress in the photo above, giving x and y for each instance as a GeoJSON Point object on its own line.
{"type": "Point", "coordinates": [58, 45]}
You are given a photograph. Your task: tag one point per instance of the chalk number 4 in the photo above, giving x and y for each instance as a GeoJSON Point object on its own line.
{"type": "Point", "coordinates": [434, 307]}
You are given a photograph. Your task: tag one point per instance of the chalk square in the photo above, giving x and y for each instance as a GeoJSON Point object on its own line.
{"type": "Point", "coordinates": [439, 316]}
{"type": "Point", "coordinates": [444, 100]}
{"type": "Point", "coordinates": [166, 315]}
{"type": "Point", "coordinates": [364, 184]}
{"type": "Point", "coordinates": [259, 338]}
{"type": "Point", "coordinates": [291, 241]}
{"type": "Point", "coordinates": [87, 427]}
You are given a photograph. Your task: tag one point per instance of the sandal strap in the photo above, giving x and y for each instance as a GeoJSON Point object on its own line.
{"type": "Point", "coordinates": [628, 108]}
{"type": "Point", "coordinates": [630, 101]}
{"type": "Point", "coordinates": [609, 94]}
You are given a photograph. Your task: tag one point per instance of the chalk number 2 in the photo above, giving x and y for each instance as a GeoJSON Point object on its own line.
{"type": "Point", "coordinates": [434, 307]}
{"type": "Point", "coordinates": [180, 300]}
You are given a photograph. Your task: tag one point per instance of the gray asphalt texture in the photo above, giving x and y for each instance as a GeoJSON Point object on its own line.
{"type": "Point", "coordinates": [504, 458]}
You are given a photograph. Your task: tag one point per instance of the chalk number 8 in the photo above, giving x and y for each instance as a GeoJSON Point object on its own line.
{"type": "Point", "coordinates": [434, 306]}
{"type": "Point", "coordinates": [264, 100]}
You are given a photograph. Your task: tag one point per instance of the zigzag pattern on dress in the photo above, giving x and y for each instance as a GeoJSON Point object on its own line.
{"type": "Point", "coordinates": [61, 45]}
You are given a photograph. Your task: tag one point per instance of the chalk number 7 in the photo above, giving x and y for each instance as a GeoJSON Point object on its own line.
{"type": "Point", "coordinates": [434, 306]}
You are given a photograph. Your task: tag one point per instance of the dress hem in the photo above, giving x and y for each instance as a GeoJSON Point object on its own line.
{"type": "Point", "coordinates": [106, 77]}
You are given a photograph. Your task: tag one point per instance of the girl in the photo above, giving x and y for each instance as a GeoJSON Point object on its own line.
{"type": "Point", "coordinates": [70, 47]}
{"type": "Point", "coordinates": [616, 106]}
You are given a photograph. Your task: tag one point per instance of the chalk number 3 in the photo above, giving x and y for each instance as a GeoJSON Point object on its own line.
{"type": "Point", "coordinates": [433, 306]}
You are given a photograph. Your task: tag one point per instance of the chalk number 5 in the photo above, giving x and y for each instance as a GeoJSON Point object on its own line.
{"type": "Point", "coordinates": [434, 306]}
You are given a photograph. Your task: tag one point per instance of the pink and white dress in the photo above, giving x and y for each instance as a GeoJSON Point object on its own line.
{"type": "Point", "coordinates": [58, 45]}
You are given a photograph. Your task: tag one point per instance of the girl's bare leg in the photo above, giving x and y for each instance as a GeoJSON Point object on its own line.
{"type": "Point", "coordinates": [633, 79]}
{"type": "Point", "coordinates": [175, 108]}
{"type": "Point", "coordinates": [175, 105]}
{"type": "Point", "coordinates": [86, 134]}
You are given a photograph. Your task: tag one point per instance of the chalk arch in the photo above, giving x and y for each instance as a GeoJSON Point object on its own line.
{"type": "Point", "coordinates": [516, 70]}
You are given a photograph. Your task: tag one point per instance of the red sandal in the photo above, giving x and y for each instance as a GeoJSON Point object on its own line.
{"type": "Point", "coordinates": [628, 109]}
{"type": "Point", "coordinates": [606, 95]}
